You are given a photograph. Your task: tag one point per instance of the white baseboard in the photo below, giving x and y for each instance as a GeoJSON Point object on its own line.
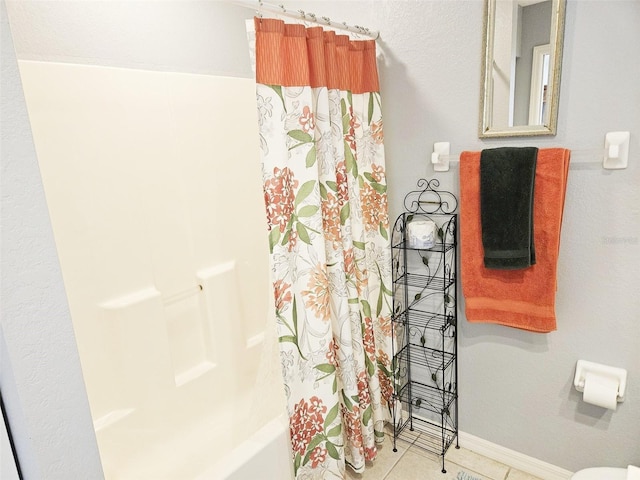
{"type": "Point", "coordinates": [512, 458]}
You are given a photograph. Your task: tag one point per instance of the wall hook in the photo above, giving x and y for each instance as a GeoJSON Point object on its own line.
{"type": "Point", "coordinates": [440, 156]}
{"type": "Point", "coordinates": [616, 147]}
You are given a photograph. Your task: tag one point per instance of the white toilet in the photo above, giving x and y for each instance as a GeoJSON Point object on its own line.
{"type": "Point", "coordinates": [601, 473]}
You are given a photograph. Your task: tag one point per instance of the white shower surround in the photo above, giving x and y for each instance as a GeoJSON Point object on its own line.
{"type": "Point", "coordinates": [154, 190]}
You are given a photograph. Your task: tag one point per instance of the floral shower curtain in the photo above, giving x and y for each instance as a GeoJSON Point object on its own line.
{"type": "Point", "coordinates": [322, 153]}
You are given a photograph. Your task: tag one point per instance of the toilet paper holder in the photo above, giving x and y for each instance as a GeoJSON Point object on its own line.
{"type": "Point", "coordinates": [583, 367]}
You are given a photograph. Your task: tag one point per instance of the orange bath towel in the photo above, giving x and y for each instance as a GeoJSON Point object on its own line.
{"type": "Point", "coordinates": [517, 298]}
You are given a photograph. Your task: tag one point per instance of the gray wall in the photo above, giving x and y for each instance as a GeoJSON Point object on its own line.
{"type": "Point", "coordinates": [516, 387]}
{"type": "Point", "coordinates": [40, 375]}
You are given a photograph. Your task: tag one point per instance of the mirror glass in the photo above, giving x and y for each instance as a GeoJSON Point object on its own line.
{"type": "Point", "coordinates": [521, 70]}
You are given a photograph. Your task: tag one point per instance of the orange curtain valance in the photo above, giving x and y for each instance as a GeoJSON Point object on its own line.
{"type": "Point", "coordinates": [293, 55]}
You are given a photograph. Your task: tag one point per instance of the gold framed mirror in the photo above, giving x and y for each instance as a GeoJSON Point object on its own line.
{"type": "Point", "coordinates": [522, 49]}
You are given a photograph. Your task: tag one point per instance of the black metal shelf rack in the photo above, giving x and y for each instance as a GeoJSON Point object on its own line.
{"type": "Point", "coordinates": [425, 323]}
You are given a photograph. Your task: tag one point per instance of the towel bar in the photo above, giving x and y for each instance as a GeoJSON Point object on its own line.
{"type": "Point", "coordinates": [614, 155]}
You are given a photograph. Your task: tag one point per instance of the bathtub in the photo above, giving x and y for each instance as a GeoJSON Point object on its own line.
{"type": "Point", "coordinates": [209, 451]}
{"type": "Point", "coordinates": [267, 454]}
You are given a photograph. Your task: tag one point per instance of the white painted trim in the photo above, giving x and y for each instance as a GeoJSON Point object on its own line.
{"type": "Point", "coordinates": [536, 96]}
{"type": "Point", "coordinates": [514, 459]}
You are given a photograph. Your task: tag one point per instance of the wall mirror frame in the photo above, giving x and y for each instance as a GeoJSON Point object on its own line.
{"type": "Point", "coordinates": [529, 111]}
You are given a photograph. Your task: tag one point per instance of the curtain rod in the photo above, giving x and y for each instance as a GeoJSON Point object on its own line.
{"type": "Point", "coordinates": [261, 6]}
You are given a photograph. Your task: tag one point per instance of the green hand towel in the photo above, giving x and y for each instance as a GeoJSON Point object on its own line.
{"type": "Point", "coordinates": [507, 177]}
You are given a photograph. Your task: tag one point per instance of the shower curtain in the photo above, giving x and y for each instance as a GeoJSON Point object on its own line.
{"type": "Point", "coordinates": [321, 142]}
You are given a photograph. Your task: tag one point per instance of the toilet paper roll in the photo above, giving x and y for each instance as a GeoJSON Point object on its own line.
{"type": "Point", "coordinates": [421, 234]}
{"type": "Point", "coordinates": [600, 390]}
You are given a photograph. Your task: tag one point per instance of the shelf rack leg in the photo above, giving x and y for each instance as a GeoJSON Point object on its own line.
{"type": "Point", "coordinates": [395, 422]}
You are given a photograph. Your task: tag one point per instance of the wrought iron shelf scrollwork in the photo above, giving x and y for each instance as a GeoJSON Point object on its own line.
{"type": "Point", "coordinates": [426, 397]}
{"type": "Point", "coordinates": [426, 282]}
{"type": "Point", "coordinates": [433, 321]}
{"type": "Point", "coordinates": [432, 437]}
{"type": "Point", "coordinates": [424, 320]}
{"type": "Point", "coordinates": [428, 199]}
{"type": "Point", "coordinates": [440, 247]}
{"type": "Point", "coordinates": [433, 359]}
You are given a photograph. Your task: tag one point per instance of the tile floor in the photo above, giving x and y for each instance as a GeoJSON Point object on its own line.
{"type": "Point", "coordinates": [413, 463]}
